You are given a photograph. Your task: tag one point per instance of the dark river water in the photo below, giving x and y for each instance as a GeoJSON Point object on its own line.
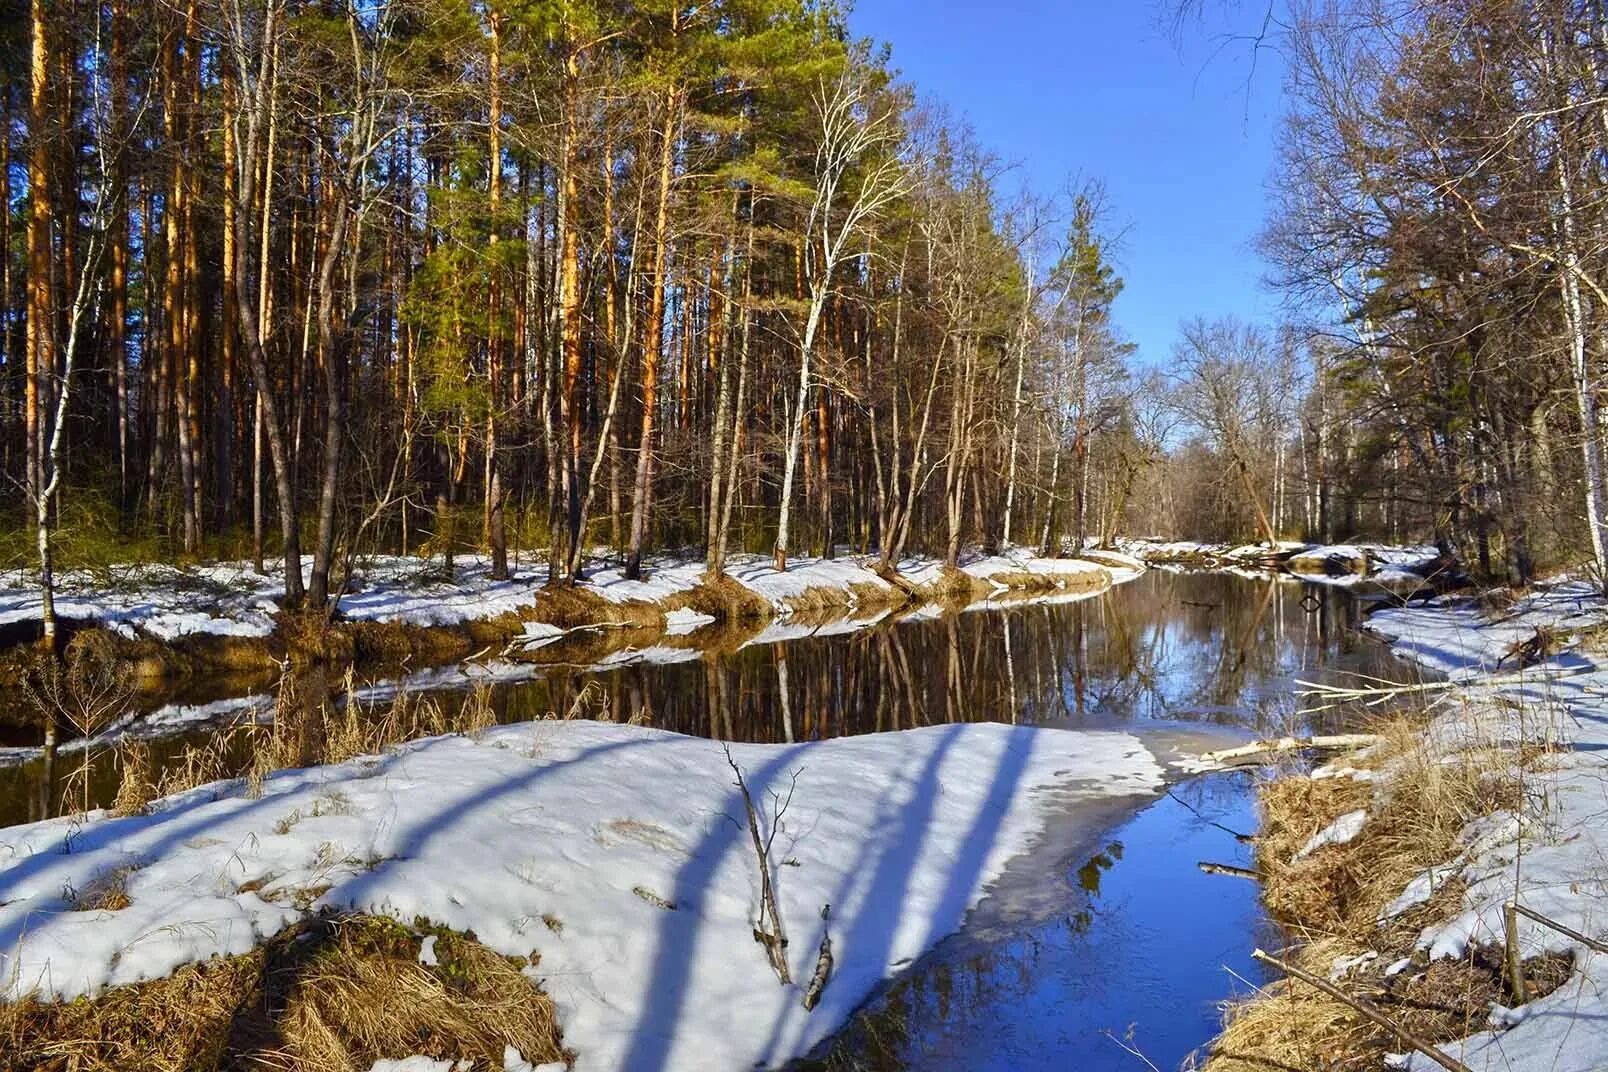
{"type": "Point", "coordinates": [1106, 940]}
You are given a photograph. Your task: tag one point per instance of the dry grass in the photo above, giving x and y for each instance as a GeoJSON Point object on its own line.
{"type": "Point", "coordinates": [955, 586]}
{"type": "Point", "coordinates": [308, 729]}
{"type": "Point", "coordinates": [725, 599]}
{"type": "Point", "coordinates": [1333, 904]}
{"type": "Point", "coordinates": [137, 787]}
{"type": "Point", "coordinates": [568, 606]}
{"type": "Point", "coordinates": [329, 996]}
{"type": "Point", "coordinates": [108, 893]}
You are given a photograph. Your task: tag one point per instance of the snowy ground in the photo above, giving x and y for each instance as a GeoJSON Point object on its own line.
{"type": "Point", "coordinates": [1552, 855]}
{"type": "Point", "coordinates": [229, 599]}
{"type": "Point", "coordinates": [1322, 564]}
{"type": "Point", "coordinates": [616, 854]}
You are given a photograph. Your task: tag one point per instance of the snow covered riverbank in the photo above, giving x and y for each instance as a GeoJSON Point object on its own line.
{"type": "Point", "coordinates": [1525, 724]}
{"type": "Point", "coordinates": [1341, 564]}
{"type": "Point", "coordinates": [231, 600]}
{"type": "Point", "coordinates": [617, 855]}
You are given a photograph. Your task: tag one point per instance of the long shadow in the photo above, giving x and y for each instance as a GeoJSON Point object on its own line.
{"type": "Point", "coordinates": [870, 935]}
{"type": "Point", "coordinates": [423, 832]}
{"type": "Point", "coordinates": [74, 845]}
{"type": "Point", "coordinates": [666, 988]}
{"type": "Point", "coordinates": [102, 836]}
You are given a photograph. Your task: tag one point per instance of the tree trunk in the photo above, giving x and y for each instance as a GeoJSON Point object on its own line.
{"type": "Point", "coordinates": [332, 356]}
{"type": "Point", "coordinates": [653, 345]}
{"type": "Point", "coordinates": [41, 343]}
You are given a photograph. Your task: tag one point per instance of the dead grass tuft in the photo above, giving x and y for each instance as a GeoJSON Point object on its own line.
{"type": "Point", "coordinates": [955, 586]}
{"type": "Point", "coordinates": [1294, 1027]}
{"type": "Point", "coordinates": [108, 893]}
{"type": "Point", "coordinates": [1333, 902]}
{"type": "Point", "coordinates": [137, 786]}
{"type": "Point", "coordinates": [569, 606]}
{"type": "Point", "coordinates": [328, 996]}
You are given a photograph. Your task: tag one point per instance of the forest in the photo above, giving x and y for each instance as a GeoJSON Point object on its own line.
{"type": "Point", "coordinates": [289, 278]}
{"type": "Point", "coordinates": [286, 280]}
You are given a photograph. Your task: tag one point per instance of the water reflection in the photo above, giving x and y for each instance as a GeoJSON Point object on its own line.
{"type": "Point", "coordinates": [1193, 649]}
{"type": "Point", "coordinates": [1115, 969]}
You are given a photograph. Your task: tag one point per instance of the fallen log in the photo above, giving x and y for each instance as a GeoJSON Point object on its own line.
{"type": "Point", "coordinates": [1331, 742]}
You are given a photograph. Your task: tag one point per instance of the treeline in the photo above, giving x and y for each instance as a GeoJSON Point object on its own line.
{"type": "Point", "coordinates": [1439, 225]}
{"type": "Point", "coordinates": [441, 275]}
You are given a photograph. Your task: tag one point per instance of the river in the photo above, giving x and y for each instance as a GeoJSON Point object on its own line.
{"type": "Point", "coordinates": [1104, 943]}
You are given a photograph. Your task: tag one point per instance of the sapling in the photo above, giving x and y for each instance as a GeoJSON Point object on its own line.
{"type": "Point", "coordinates": [88, 689]}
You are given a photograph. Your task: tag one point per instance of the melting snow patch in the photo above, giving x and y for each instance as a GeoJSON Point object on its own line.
{"type": "Point", "coordinates": [1340, 832]}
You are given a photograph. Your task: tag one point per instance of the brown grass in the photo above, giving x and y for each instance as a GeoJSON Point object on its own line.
{"type": "Point", "coordinates": [568, 606]}
{"type": "Point", "coordinates": [955, 586]}
{"type": "Point", "coordinates": [107, 893]}
{"type": "Point", "coordinates": [1332, 903]}
{"type": "Point", "coordinates": [725, 599]}
{"type": "Point", "coordinates": [328, 996]}
{"type": "Point", "coordinates": [137, 787]}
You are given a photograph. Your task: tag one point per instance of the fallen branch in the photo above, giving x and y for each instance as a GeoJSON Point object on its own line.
{"type": "Point", "coordinates": [1332, 742]}
{"type": "Point", "coordinates": [1243, 839]}
{"type": "Point", "coordinates": [768, 932]}
{"type": "Point", "coordinates": [823, 965]}
{"type": "Point", "coordinates": [1373, 696]}
{"type": "Point", "coordinates": [1229, 870]}
{"type": "Point", "coordinates": [1367, 1010]}
{"type": "Point", "coordinates": [1532, 914]}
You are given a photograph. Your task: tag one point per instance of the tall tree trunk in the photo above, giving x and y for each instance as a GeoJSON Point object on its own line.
{"type": "Point", "coordinates": [496, 529]}
{"type": "Point", "coordinates": [41, 342]}
{"type": "Point", "coordinates": [569, 301]}
{"type": "Point", "coordinates": [253, 320]}
{"type": "Point", "coordinates": [653, 342]}
{"type": "Point", "coordinates": [332, 356]}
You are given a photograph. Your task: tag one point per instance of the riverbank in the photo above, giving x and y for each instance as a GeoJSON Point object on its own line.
{"type": "Point", "coordinates": [1344, 564]}
{"type": "Point", "coordinates": [170, 623]}
{"type": "Point", "coordinates": [1391, 868]}
{"type": "Point", "coordinates": [614, 864]}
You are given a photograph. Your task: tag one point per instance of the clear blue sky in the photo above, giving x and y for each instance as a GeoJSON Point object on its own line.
{"type": "Point", "coordinates": [1182, 133]}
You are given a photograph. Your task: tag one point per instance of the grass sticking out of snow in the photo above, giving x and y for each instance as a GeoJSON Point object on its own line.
{"type": "Point", "coordinates": [332, 995]}
{"type": "Point", "coordinates": [1337, 899]}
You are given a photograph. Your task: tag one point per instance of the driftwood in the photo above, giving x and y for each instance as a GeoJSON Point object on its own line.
{"type": "Point", "coordinates": [1367, 1010]}
{"type": "Point", "coordinates": [823, 965]}
{"type": "Point", "coordinates": [1228, 869]}
{"type": "Point", "coordinates": [769, 931]}
{"type": "Point", "coordinates": [1385, 691]}
{"type": "Point", "coordinates": [1332, 742]}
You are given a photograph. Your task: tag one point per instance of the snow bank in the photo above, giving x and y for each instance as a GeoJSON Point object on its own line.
{"type": "Point", "coordinates": [1548, 855]}
{"type": "Point", "coordinates": [1458, 637]}
{"type": "Point", "coordinates": [567, 840]}
{"type": "Point", "coordinates": [229, 599]}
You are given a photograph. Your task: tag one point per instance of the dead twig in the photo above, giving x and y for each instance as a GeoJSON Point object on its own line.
{"type": "Point", "coordinates": [769, 931]}
{"type": "Point", "coordinates": [823, 964]}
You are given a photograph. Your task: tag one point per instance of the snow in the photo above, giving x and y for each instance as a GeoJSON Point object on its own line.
{"type": "Point", "coordinates": [1549, 853]}
{"type": "Point", "coordinates": [419, 1063]}
{"type": "Point", "coordinates": [1342, 831]}
{"type": "Point", "coordinates": [230, 599]}
{"type": "Point", "coordinates": [1456, 636]}
{"type": "Point", "coordinates": [597, 825]}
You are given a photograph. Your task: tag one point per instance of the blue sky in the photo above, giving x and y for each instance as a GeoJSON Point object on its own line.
{"type": "Point", "coordinates": [1181, 132]}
